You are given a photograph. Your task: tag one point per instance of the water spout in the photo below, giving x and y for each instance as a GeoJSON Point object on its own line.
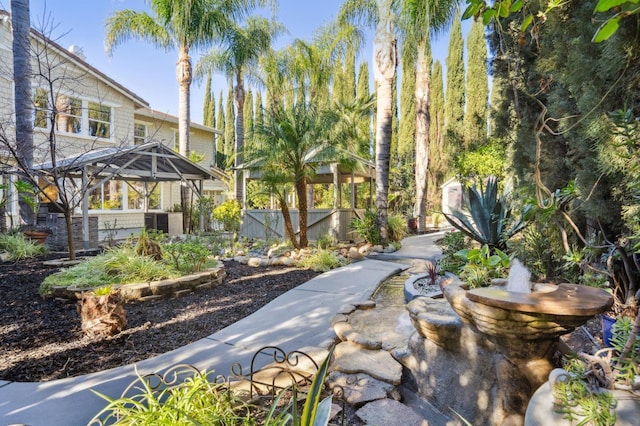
{"type": "Point", "coordinates": [519, 279]}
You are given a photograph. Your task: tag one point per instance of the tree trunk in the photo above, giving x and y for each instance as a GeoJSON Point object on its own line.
{"type": "Point", "coordinates": [184, 76]}
{"type": "Point", "coordinates": [102, 316]}
{"type": "Point", "coordinates": [68, 221]}
{"type": "Point", "coordinates": [422, 134]}
{"type": "Point", "coordinates": [21, 46]}
{"type": "Point", "coordinates": [288, 225]}
{"type": "Point", "coordinates": [301, 193]}
{"type": "Point", "coordinates": [238, 96]}
{"type": "Point", "coordinates": [385, 62]}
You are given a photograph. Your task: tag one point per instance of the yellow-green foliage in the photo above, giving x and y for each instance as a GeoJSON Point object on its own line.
{"type": "Point", "coordinates": [20, 247]}
{"type": "Point", "coordinates": [229, 214]}
{"type": "Point", "coordinates": [116, 266]}
{"type": "Point", "coordinates": [321, 261]}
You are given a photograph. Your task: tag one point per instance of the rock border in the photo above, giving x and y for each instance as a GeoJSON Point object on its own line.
{"type": "Point", "coordinates": [154, 289]}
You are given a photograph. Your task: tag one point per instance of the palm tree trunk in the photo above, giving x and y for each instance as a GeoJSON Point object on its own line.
{"type": "Point", "coordinates": [385, 62]}
{"type": "Point", "coordinates": [21, 46]}
{"type": "Point", "coordinates": [184, 76]}
{"type": "Point", "coordinates": [422, 135]}
{"type": "Point", "coordinates": [238, 96]}
{"type": "Point", "coordinates": [288, 225]}
{"type": "Point", "coordinates": [301, 193]}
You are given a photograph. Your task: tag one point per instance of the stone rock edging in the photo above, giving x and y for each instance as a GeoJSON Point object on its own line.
{"type": "Point", "coordinates": [154, 289]}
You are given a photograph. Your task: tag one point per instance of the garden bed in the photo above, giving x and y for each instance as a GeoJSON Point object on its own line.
{"type": "Point", "coordinates": [42, 339]}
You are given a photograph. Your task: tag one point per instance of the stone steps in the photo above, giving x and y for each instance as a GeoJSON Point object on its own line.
{"type": "Point", "coordinates": [365, 365]}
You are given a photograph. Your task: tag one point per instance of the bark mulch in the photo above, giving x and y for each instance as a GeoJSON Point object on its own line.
{"type": "Point", "coordinates": [41, 340]}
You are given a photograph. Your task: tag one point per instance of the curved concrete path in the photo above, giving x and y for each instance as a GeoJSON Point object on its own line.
{"type": "Point", "coordinates": [301, 317]}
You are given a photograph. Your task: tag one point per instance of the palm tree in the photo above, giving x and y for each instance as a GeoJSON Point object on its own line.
{"type": "Point", "coordinates": [182, 25]}
{"type": "Point", "coordinates": [289, 145]}
{"type": "Point", "coordinates": [379, 13]}
{"type": "Point", "coordinates": [241, 48]}
{"type": "Point", "coordinates": [21, 46]}
{"type": "Point", "coordinates": [419, 19]}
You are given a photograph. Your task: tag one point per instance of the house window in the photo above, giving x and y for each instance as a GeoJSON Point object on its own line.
{"type": "Point", "coordinates": [41, 104]}
{"type": "Point", "coordinates": [69, 114]}
{"type": "Point", "coordinates": [176, 140]}
{"type": "Point", "coordinates": [136, 194]}
{"type": "Point", "coordinates": [107, 196]}
{"type": "Point", "coordinates": [139, 133]}
{"type": "Point", "coordinates": [99, 120]}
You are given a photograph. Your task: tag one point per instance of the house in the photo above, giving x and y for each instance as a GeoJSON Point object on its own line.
{"type": "Point", "coordinates": [96, 113]}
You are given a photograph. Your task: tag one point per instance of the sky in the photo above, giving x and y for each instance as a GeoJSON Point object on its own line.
{"type": "Point", "coordinates": [150, 72]}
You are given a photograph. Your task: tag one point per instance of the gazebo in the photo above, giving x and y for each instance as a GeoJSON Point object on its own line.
{"type": "Point", "coordinates": [151, 163]}
{"type": "Point", "coordinates": [258, 223]}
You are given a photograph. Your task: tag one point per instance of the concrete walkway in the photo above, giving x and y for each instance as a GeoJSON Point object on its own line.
{"type": "Point", "coordinates": [301, 317]}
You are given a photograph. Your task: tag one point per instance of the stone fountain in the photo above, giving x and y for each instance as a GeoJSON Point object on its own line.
{"type": "Point", "coordinates": [483, 352]}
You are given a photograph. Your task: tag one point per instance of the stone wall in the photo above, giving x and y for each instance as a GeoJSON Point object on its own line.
{"type": "Point", "coordinates": [58, 239]}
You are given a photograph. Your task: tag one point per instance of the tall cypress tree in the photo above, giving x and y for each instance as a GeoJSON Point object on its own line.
{"type": "Point", "coordinates": [208, 106]}
{"type": "Point", "coordinates": [229, 128]}
{"type": "Point", "coordinates": [248, 118]}
{"type": "Point", "coordinates": [350, 75]}
{"type": "Point", "coordinates": [454, 99]}
{"type": "Point", "coordinates": [221, 139]}
{"type": "Point", "coordinates": [338, 89]}
{"type": "Point", "coordinates": [407, 132]}
{"type": "Point", "coordinates": [437, 156]}
{"type": "Point", "coordinates": [477, 89]}
{"type": "Point", "coordinates": [259, 111]}
{"type": "Point", "coordinates": [362, 92]}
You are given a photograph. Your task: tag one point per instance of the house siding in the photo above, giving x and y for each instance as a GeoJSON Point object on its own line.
{"type": "Point", "coordinates": [88, 84]}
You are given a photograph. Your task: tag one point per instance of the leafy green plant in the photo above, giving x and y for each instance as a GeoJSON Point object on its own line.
{"type": "Point", "coordinates": [196, 400]}
{"type": "Point", "coordinates": [229, 214]}
{"type": "Point", "coordinates": [451, 243]}
{"type": "Point", "coordinates": [187, 256]}
{"type": "Point", "coordinates": [325, 241]}
{"type": "Point", "coordinates": [321, 261]}
{"type": "Point", "coordinates": [481, 266]}
{"type": "Point", "coordinates": [120, 265]}
{"type": "Point", "coordinates": [488, 216]}
{"type": "Point", "coordinates": [367, 227]}
{"type": "Point", "coordinates": [20, 247]}
{"type": "Point", "coordinates": [103, 291]}
{"type": "Point", "coordinates": [397, 227]}
{"type": "Point", "coordinates": [582, 394]}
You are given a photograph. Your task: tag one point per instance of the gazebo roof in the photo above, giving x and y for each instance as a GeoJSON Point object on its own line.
{"type": "Point", "coordinates": [149, 162]}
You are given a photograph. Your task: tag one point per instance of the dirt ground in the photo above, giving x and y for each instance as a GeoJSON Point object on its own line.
{"type": "Point", "coordinates": [41, 340]}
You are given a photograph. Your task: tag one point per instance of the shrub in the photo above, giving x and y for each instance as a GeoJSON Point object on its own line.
{"type": "Point", "coordinates": [187, 256]}
{"type": "Point", "coordinates": [452, 243]}
{"type": "Point", "coordinates": [197, 400]}
{"type": "Point", "coordinates": [229, 214]}
{"type": "Point", "coordinates": [397, 227]}
{"type": "Point", "coordinates": [325, 241]}
{"type": "Point", "coordinates": [481, 266]}
{"type": "Point", "coordinates": [321, 261]}
{"type": "Point", "coordinates": [119, 265]}
{"type": "Point", "coordinates": [20, 247]}
{"type": "Point", "coordinates": [367, 227]}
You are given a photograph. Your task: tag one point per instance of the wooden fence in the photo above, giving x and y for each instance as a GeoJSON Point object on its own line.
{"type": "Point", "coordinates": [269, 224]}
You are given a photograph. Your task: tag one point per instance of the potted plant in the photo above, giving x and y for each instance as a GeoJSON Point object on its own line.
{"type": "Point", "coordinates": [602, 388]}
{"type": "Point", "coordinates": [31, 197]}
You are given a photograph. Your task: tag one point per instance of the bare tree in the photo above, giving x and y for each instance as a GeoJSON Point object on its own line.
{"type": "Point", "coordinates": [58, 82]}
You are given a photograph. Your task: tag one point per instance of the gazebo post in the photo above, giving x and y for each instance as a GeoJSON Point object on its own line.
{"type": "Point", "coordinates": [85, 210]}
{"type": "Point", "coordinates": [201, 216]}
{"type": "Point", "coordinates": [335, 218]}
{"type": "Point", "coordinates": [353, 191]}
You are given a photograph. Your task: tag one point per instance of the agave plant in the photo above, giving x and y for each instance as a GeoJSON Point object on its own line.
{"type": "Point", "coordinates": [487, 217]}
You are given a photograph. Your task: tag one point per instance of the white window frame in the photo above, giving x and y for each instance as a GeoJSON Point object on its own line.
{"type": "Point", "coordinates": [83, 118]}
{"type": "Point", "coordinates": [139, 140]}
